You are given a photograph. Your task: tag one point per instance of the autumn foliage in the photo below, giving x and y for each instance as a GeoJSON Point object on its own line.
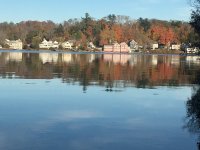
{"type": "Point", "coordinates": [163, 35]}
{"type": "Point", "coordinates": [103, 31]}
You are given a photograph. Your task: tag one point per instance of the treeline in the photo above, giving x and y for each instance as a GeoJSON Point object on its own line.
{"type": "Point", "coordinates": [103, 31]}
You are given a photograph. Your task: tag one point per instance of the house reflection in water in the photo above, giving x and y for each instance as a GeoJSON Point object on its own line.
{"type": "Point", "coordinates": [13, 57]}
{"type": "Point", "coordinates": [175, 60]}
{"type": "Point", "coordinates": [155, 60]}
{"type": "Point", "coordinates": [92, 58]}
{"type": "Point", "coordinates": [193, 59]}
{"type": "Point", "coordinates": [48, 57]}
{"type": "Point", "coordinates": [135, 59]}
{"type": "Point", "coordinates": [67, 58]}
{"type": "Point", "coordinates": [117, 58]}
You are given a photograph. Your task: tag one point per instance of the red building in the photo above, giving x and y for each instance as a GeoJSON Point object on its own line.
{"type": "Point", "coordinates": [116, 48]}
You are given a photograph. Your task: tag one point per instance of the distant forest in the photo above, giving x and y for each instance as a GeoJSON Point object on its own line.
{"type": "Point", "coordinates": [102, 31]}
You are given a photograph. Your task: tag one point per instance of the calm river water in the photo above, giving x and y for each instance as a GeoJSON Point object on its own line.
{"type": "Point", "coordinates": [73, 101]}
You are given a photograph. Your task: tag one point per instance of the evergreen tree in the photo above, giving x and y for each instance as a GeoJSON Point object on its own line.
{"type": "Point", "coordinates": [195, 16]}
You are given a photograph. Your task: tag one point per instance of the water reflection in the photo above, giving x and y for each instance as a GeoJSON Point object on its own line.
{"type": "Point", "coordinates": [117, 58]}
{"type": "Point", "coordinates": [192, 122]}
{"type": "Point", "coordinates": [109, 70]}
{"type": "Point", "coordinates": [48, 58]}
{"type": "Point", "coordinates": [129, 101]}
{"type": "Point", "coordinates": [13, 57]}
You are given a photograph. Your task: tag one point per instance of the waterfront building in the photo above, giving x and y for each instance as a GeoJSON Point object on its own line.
{"type": "Point", "coordinates": [55, 45]}
{"type": "Point", "coordinates": [67, 45]}
{"type": "Point", "coordinates": [124, 47]}
{"type": "Point", "coordinates": [91, 45]}
{"type": "Point", "coordinates": [14, 44]}
{"type": "Point", "coordinates": [108, 48]}
{"type": "Point", "coordinates": [115, 47]}
{"type": "Point", "coordinates": [175, 47]}
{"type": "Point", "coordinates": [154, 46]}
{"type": "Point", "coordinates": [133, 45]}
{"type": "Point", "coordinates": [192, 50]}
{"type": "Point", "coordinates": [49, 44]}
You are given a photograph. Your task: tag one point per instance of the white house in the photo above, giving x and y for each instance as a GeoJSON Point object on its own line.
{"type": "Point", "coordinates": [192, 50]}
{"type": "Point", "coordinates": [154, 46]}
{"type": "Point", "coordinates": [49, 44]}
{"type": "Point", "coordinates": [67, 45]}
{"type": "Point", "coordinates": [72, 42]}
{"type": "Point", "coordinates": [14, 44]}
{"type": "Point", "coordinates": [55, 45]}
{"type": "Point", "coordinates": [46, 44]}
{"type": "Point", "coordinates": [133, 45]}
{"type": "Point", "coordinates": [91, 45]}
{"type": "Point", "coordinates": [0, 46]}
{"type": "Point", "coordinates": [175, 47]}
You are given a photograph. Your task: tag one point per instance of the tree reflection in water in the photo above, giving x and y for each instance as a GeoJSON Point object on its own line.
{"type": "Point", "coordinates": [193, 111]}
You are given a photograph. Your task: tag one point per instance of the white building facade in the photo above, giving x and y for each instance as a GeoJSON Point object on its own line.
{"type": "Point", "coordinates": [14, 44]}
{"type": "Point", "coordinates": [154, 46]}
{"type": "Point", "coordinates": [49, 44]}
{"type": "Point", "coordinates": [133, 45]}
{"type": "Point", "coordinates": [67, 45]}
{"type": "Point", "coordinates": [91, 45]}
{"type": "Point", "coordinates": [175, 46]}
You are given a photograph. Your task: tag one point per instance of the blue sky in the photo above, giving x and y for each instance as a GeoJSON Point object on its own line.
{"type": "Point", "coordinates": [60, 10]}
